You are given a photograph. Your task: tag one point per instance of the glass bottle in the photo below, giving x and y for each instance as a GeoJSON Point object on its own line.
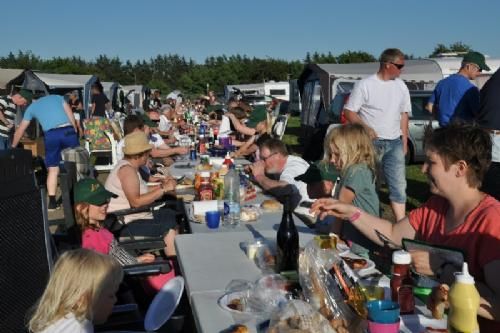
{"type": "Point", "coordinates": [287, 240]}
{"type": "Point", "coordinates": [402, 282]}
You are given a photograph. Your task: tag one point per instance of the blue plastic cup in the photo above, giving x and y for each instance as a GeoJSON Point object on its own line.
{"type": "Point", "coordinates": [212, 219]}
{"type": "Point", "coordinates": [383, 311]}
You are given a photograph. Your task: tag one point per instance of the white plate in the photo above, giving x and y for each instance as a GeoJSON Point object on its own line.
{"type": "Point", "coordinates": [418, 323]}
{"type": "Point", "coordinates": [164, 304]}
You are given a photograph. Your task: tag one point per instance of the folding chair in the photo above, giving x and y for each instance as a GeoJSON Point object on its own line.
{"type": "Point", "coordinates": [100, 142]}
{"type": "Point", "coordinates": [279, 126]}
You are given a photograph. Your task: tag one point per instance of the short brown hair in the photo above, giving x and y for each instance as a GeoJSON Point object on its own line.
{"type": "Point", "coordinates": [275, 146]}
{"type": "Point", "coordinates": [462, 142]}
{"type": "Point", "coordinates": [391, 55]}
{"type": "Point", "coordinates": [131, 123]}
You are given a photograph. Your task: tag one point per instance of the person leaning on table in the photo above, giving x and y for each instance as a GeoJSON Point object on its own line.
{"type": "Point", "coordinates": [126, 182]}
{"type": "Point", "coordinates": [457, 215]}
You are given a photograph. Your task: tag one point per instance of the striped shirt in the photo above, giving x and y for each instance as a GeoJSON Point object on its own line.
{"type": "Point", "coordinates": [8, 108]}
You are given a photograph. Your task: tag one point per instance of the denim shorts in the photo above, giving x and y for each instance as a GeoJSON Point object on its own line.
{"type": "Point", "coordinates": [391, 160]}
{"type": "Point", "coordinates": [55, 141]}
{"type": "Point", "coordinates": [4, 143]}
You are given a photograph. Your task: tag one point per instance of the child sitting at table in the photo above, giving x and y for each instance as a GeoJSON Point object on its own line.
{"type": "Point", "coordinates": [80, 293]}
{"type": "Point", "coordinates": [91, 204]}
{"type": "Point", "coordinates": [351, 151]}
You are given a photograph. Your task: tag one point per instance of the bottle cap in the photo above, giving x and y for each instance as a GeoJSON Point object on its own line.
{"type": "Point", "coordinates": [464, 276]}
{"type": "Point", "coordinates": [401, 257]}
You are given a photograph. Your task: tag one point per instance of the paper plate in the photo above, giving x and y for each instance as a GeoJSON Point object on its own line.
{"type": "Point", "coordinates": [164, 304]}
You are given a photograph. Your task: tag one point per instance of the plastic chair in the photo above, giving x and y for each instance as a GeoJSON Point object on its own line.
{"type": "Point", "coordinates": [100, 140]}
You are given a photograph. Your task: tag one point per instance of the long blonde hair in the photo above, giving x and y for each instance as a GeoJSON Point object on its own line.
{"type": "Point", "coordinates": [82, 216]}
{"type": "Point", "coordinates": [77, 282]}
{"type": "Point", "coordinates": [354, 145]}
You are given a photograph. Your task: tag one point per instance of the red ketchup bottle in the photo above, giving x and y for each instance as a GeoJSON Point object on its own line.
{"type": "Point", "coordinates": [402, 282]}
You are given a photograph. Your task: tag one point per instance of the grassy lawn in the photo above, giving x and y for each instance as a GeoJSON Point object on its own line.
{"type": "Point", "coordinates": [417, 189]}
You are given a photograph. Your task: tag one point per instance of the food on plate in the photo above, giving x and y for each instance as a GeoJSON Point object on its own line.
{"type": "Point", "coordinates": [271, 205]}
{"type": "Point", "coordinates": [249, 213]}
{"type": "Point", "coordinates": [438, 301]}
{"type": "Point", "coordinates": [238, 329]}
{"type": "Point", "coordinates": [355, 263]}
{"type": "Point", "coordinates": [236, 304]}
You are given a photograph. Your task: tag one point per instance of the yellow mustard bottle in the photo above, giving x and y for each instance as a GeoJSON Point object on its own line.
{"type": "Point", "coordinates": [464, 303]}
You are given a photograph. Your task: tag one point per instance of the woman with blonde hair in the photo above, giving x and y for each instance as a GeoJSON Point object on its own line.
{"type": "Point", "coordinates": [352, 152]}
{"type": "Point", "coordinates": [80, 292]}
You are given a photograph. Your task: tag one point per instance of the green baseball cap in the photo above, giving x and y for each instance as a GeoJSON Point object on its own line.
{"type": "Point", "coordinates": [258, 114]}
{"type": "Point", "coordinates": [147, 121]}
{"type": "Point", "coordinates": [27, 95]}
{"type": "Point", "coordinates": [477, 59]}
{"type": "Point", "coordinates": [318, 172]}
{"type": "Point", "coordinates": [91, 191]}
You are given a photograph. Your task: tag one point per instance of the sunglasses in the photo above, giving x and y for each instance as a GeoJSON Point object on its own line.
{"type": "Point", "coordinates": [398, 66]}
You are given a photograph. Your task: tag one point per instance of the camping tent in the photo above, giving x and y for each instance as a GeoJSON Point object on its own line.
{"type": "Point", "coordinates": [112, 91]}
{"type": "Point", "coordinates": [63, 83]}
{"type": "Point", "coordinates": [135, 94]}
{"type": "Point", "coordinates": [9, 78]}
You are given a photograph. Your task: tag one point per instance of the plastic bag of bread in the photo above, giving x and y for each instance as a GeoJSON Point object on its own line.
{"type": "Point", "coordinates": [298, 317]}
{"type": "Point", "coordinates": [271, 205]}
{"type": "Point", "coordinates": [322, 292]}
{"type": "Point", "coordinates": [250, 213]}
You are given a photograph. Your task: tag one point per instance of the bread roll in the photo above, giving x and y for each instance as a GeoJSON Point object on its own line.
{"type": "Point", "coordinates": [271, 205]}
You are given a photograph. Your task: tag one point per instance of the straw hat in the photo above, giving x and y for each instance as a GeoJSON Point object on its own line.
{"type": "Point", "coordinates": [136, 143]}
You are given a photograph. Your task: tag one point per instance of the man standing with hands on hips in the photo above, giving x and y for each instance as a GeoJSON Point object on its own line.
{"type": "Point", "coordinates": [60, 132]}
{"type": "Point", "coordinates": [381, 103]}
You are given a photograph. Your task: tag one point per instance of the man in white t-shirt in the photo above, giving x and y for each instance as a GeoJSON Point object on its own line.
{"type": "Point", "coordinates": [274, 160]}
{"type": "Point", "coordinates": [381, 103]}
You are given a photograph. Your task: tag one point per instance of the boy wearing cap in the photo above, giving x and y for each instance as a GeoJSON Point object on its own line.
{"type": "Point", "coordinates": [8, 106]}
{"type": "Point", "coordinates": [456, 98]}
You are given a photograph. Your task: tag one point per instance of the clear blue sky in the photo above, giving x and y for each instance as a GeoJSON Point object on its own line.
{"type": "Point", "coordinates": [285, 29]}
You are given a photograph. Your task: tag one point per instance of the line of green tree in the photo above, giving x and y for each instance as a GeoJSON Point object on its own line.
{"type": "Point", "coordinates": [173, 71]}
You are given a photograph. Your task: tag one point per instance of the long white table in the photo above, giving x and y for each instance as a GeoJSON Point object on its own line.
{"type": "Point", "coordinates": [209, 261]}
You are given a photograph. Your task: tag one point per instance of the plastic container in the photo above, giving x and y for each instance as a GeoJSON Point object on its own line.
{"type": "Point", "coordinates": [232, 198]}
{"type": "Point", "coordinates": [464, 303]}
{"type": "Point", "coordinates": [402, 282]}
{"type": "Point", "coordinates": [383, 311]}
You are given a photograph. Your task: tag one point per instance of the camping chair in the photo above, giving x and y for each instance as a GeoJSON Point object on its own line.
{"type": "Point", "coordinates": [279, 126]}
{"type": "Point", "coordinates": [27, 256]}
{"type": "Point", "coordinates": [100, 140]}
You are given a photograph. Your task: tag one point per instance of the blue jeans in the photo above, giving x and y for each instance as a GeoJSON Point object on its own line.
{"type": "Point", "coordinates": [4, 143]}
{"type": "Point", "coordinates": [391, 160]}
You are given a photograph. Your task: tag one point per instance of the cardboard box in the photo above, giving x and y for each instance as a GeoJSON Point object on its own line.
{"type": "Point", "coordinates": [37, 146]}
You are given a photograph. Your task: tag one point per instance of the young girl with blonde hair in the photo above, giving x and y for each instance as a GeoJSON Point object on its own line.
{"type": "Point", "coordinates": [352, 152]}
{"type": "Point", "coordinates": [80, 292]}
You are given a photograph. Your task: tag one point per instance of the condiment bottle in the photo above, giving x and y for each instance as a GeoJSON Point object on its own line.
{"type": "Point", "coordinates": [287, 241]}
{"type": "Point", "coordinates": [402, 282]}
{"type": "Point", "coordinates": [464, 303]}
{"type": "Point", "coordinates": [227, 160]}
{"type": "Point", "coordinates": [205, 191]}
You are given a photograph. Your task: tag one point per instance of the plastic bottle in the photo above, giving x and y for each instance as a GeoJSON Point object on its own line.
{"type": "Point", "coordinates": [232, 198]}
{"type": "Point", "coordinates": [401, 282]}
{"type": "Point", "coordinates": [464, 303]}
{"type": "Point", "coordinates": [205, 191]}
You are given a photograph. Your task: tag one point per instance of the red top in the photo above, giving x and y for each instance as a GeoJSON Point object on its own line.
{"type": "Point", "coordinates": [478, 237]}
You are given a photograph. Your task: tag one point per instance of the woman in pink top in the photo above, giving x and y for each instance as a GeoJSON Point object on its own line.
{"type": "Point", "coordinates": [458, 215]}
{"type": "Point", "coordinates": [91, 204]}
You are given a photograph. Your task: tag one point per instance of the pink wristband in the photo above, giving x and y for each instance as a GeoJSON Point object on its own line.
{"type": "Point", "coordinates": [354, 217]}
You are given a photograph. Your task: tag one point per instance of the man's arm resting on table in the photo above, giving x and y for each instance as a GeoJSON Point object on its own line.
{"type": "Point", "coordinates": [267, 183]}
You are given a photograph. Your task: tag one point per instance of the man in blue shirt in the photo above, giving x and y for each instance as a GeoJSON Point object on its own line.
{"type": "Point", "coordinates": [60, 132]}
{"type": "Point", "coordinates": [456, 97]}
